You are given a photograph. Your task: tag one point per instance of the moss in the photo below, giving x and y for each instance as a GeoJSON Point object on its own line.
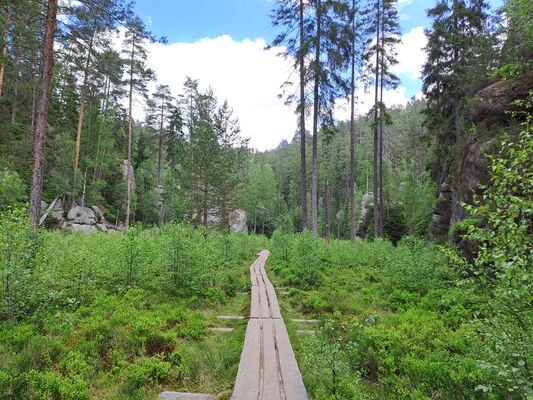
{"type": "Point", "coordinates": [462, 227]}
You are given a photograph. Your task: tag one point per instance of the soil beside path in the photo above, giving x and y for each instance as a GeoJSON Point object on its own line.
{"type": "Point", "coordinates": [268, 368]}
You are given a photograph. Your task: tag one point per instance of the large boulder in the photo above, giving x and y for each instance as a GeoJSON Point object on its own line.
{"type": "Point", "coordinates": [98, 213]}
{"type": "Point", "coordinates": [367, 205]}
{"type": "Point", "coordinates": [72, 227]}
{"type": "Point", "coordinates": [57, 212]}
{"type": "Point", "coordinates": [81, 215]}
{"type": "Point", "coordinates": [237, 221]}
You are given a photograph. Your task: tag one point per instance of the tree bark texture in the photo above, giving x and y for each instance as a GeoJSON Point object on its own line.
{"type": "Point", "coordinates": [128, 173]}
{"type": "Point", "coordinates": [303, 167]}
{"type": "Point", "coordinates": [80, 120]}
{"type": "Point", "coordinates": [376, 202]}
{"type": "Point", "coordinates": [352, 135]}
{"type": "Point", "coordinates": [4, 48]}
{"type": "Point", "coordinates": [314, 168]}
{"type": "Point", "coordinates": [47, 64]}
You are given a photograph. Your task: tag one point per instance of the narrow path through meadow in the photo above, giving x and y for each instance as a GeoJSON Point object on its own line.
{"type": "Point", "coordinates": [268, 368]}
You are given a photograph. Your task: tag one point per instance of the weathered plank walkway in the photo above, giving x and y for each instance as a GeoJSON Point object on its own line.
{"type": "Point", "coordinates": [268, 368]}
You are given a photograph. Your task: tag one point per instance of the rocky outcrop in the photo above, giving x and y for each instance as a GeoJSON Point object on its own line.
{"type": "Point", "coordinates": [87, 229]}
{"type": "Point", "coordinates": [237, 221]}
{"type": "Point", "coordinates": [125, 174]}
{"type": "Point", "coordinates": [87, 220]}
{"type": "Point", "coordinates": [492, 103]}
{"type": "Point", "coordinates": [367, 204]}
{"type": "Point", "coordinates": [81, 215]}
{"type": "Point", "coordinates": [440, 219]}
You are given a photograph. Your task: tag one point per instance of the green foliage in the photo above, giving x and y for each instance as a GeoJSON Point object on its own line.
{"type": "Point", "coordinates": [19, 243]}
{"type": "Point", "coordinates": [393, 322]}
{"type": "Point", "coordinates": [113, 315]}
{"type": "Point", "coordinates": [501, 271]}
{"type": "Point", "coordinates": [12, 190]}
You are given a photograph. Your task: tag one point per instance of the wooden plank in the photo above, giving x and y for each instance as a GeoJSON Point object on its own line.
{"type": "Point", "coordinates": [247, 382]}
{"type": "Point", "coordinates": [307, 331]}
{"type": "Point", "coordinates": [254, 303]}
{"type": "Point", "coordinates": [274, 305]}
{"type": "Point", "coordinates": [265, 309]}
{"type": "Point", "coordinates": [305, 320]}
{"type": "Point", "coordinates": [185, 396]}
{"type": "Point", "coordinates": [221, 329]}
{"type": "Point", "coordinates": [272, 386]}
{"type": "Point", "coordinates": [292, 378]}
{"type": "Point", "coordinates": [229, 317]}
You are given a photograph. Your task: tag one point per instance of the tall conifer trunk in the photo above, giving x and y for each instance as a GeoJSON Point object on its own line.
{"type": "Point", "coordinates": [376, 202]}
{"type": "Point", "coordinates": [303, 167]}
{"type": "Point", "coordinates": [128, 164]}
{"type": "Point", "coordinates": [327, 210]}
{"type": "Point", "coordinates": [160, 144]}
{"type": "Point", "coordinates": [4, 48]}
{"type": "Point", "coordinates": [17, 80]}
{"type": "Point", "coordinates": [47, 64]}
{"type": "Point", "coordinates": [352, 133]}
{"type": "Point", "coordinates": [80, 119]}
{"type": "Point", "coordinates": [381, 109]}
{"type": "Point", "coordinates": [314, 169]}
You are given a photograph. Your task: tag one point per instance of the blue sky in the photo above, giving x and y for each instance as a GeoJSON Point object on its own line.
{"type": "Point", "coordinates": [192, 20]}
{"type": "Point", "coordinates": [221, 43]}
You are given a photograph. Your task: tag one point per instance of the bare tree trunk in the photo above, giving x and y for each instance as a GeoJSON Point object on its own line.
{"type": "Point", "coordinates": [376, 202]}
{"type": "Point", "coordinates": [4, 48]}
{"type": "Point", "coordinates": [326, 205]}
{"type": "Point", "coordinates": [80, 120]}
{"type": "Point", "coordinates": [352, 134]}
{"type": "Point", "coordinates": [128, 173]}
{"type": "Point", "coordinates": [303, 167]}
{"type": "Point", "coordinates": [17, 80]}
{"type": "Point", "coordinates": [47, 65]}
{"type": "Point", "coordinates": [160, 149]}
{"type": "Point", "coordinates": [206, 207]}
{"type": "Point", "coordinates": [381, 146]}
{"type": "Point", "coordinates": [314, 169]}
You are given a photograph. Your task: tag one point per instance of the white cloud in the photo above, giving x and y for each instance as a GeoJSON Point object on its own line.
{"type": "Point", "coordinates": [365, 101]}
{"type": "Point", "coordinates": [411, 54]}
{"type": "Point", "coordinates": [250, 78]}
{"type": "Point", "coordinates": [241, 72]}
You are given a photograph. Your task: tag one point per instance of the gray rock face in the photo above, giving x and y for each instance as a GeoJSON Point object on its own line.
{"type": "Point", "coordinates": [125, 173]}
{"type": "Point", "coordinates": [44, 206]}
{"type": "Point", "coordinates": [87, 229]}
{"type": "Point", "coordinates": [98, 213]}
{"type": "Point", "coordinates": [57, 212]}
{"type": "Point", "coordinates": [367, 203]}
{"type": "Point", "coordinates": [81, 215]}
{"type": "Point", "coordinates": [474, 173]}
{"type": "Point", "coordinates": [237, 221]}
{"type": "Point", "coordinates": [440, 220]}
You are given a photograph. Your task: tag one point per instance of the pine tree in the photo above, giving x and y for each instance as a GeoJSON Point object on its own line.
{"type": "Point", "coordinates": [332, 43]}
{"type": "Point", "coordinates": [383, 36]}
{"type": "Point", "coordinates": [47, 65]}
{"type": "Point", "coordinates": [289, 14]}
{"type": "Point", "coordinates": [160, 109]}
{"type": "Point", "coordinates": [138, 77]}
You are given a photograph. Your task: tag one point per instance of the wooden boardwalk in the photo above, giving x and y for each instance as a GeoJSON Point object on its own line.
{"type": "Point", "coordinates": [268, 368]}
